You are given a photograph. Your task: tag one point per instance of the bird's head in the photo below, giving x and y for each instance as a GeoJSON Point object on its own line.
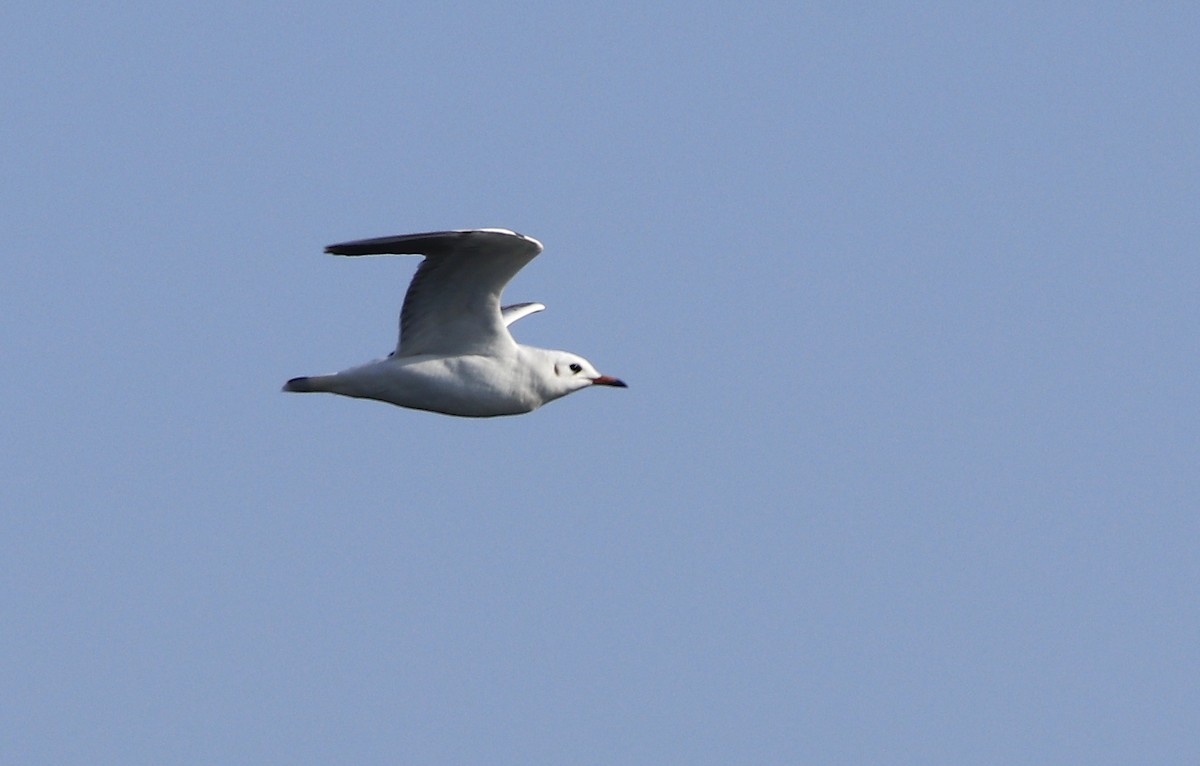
{"type": "Point", "coordinates": [572, 372]}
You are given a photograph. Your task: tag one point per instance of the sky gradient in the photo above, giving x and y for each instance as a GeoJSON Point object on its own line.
{"type": "Point", "coordinates": [906, 299]}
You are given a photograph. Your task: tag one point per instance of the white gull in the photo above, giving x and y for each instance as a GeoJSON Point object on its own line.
{"type": "Point", "coordinates": [455, 354]}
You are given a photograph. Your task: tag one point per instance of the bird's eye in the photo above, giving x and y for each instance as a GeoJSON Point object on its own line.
{"type": "Point", "coordinates": [576, 367]}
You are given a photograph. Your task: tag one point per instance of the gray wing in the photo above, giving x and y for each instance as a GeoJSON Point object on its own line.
{"type": "Point", "coordinates": [453, 303]}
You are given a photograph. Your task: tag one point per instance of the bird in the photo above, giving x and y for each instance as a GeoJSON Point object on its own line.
{"type": "Point", "coordinates": [455, 354]}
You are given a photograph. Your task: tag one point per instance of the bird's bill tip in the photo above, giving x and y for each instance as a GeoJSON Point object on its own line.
{"type": "Point", "coordinates": [609, 380]}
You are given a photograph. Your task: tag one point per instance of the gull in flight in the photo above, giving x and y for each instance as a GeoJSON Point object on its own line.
{"type": "Point", "coordinates": [455, 354]}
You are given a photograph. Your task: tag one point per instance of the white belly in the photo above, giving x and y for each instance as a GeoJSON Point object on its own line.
{"type": "Point", "coordinates": [468, 386]}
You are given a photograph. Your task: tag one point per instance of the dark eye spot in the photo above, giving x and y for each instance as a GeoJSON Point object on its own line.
{"type": "Point", "coordinates": [576, 367]}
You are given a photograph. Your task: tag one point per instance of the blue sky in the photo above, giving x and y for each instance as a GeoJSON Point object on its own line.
{"type": "Point", "coordinates": [906, 297]}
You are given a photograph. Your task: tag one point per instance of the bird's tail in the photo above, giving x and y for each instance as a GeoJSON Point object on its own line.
{"type": "Point", "coordinates": [308, 384]}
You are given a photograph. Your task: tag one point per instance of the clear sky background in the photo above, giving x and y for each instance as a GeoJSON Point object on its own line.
{"type": "Point", "coordinates": [906, 297]}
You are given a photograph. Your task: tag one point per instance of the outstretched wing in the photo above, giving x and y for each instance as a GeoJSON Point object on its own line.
{"type": "Point", "coordinates": [453, 303]}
